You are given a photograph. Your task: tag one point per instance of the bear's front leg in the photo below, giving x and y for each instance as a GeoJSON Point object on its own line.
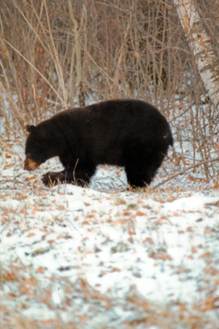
{"type": "Point", "coordinates": [54, 178]}
{"type": "Point", "coordinates": [63, 177]}
{"type": "Point", "coordinates": [79, 176]}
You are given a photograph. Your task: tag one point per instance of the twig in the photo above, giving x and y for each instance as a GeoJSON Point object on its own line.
{"type": "Point", "coordinates": [35, 69]}
{"type": "Point", "coordinates": [182, 172]}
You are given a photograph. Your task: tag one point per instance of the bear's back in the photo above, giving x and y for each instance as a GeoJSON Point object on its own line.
{"type": "Point", "coordinates": [132, 118]}
{"type": "Point", "coordinates": [123, 107]}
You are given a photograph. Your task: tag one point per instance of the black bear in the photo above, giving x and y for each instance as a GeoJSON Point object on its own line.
{"type": "Point", "coordinates": [129, 133]}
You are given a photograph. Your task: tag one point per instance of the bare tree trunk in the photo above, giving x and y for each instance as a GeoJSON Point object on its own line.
{"type": "Point", "coordinates": [200, 44]}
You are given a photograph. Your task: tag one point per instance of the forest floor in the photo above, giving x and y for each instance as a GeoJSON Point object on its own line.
{"type": "Point", "coordinates": [105, 257]}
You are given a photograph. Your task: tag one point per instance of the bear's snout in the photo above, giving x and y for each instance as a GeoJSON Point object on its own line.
{"type": "Point", "coordinates": [30, 164]}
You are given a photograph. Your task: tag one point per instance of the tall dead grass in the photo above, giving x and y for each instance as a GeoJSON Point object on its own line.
{"type": "Point", "coordinates": [62, 53]}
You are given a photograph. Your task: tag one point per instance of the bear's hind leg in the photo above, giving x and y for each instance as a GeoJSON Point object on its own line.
{"type": "Point", "coordinates": [139, 176]}
{"type": "Point", "coordinates": [141, 165]}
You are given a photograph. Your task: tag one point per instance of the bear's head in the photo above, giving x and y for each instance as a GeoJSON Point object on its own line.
{"type": "Point", "coordinates": [39, 146]}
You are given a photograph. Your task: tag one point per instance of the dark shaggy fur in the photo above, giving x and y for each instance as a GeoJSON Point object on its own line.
{"type": "Point", "coordinates": [129, 133]}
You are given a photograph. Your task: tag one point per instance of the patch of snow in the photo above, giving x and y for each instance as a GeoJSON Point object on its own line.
{"type": "Point", "coordinates": [40, 311]}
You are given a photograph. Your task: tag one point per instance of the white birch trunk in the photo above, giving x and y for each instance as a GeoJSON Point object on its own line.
{"type": "Point", "coordinates": [200, 44]}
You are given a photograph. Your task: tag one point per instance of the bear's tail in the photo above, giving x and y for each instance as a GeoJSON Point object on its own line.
{"type": "Point", "coordinates": [171, 140]}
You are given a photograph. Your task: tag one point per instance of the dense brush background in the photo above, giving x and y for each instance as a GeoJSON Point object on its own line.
{"type": "Point", "coordinates": [57, 54]}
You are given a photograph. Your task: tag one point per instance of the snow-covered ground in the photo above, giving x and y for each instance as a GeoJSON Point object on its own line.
{"type": "Point", "coordinates": [104, 256]}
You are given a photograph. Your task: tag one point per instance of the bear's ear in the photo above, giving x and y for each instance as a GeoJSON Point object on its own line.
{"type": "Point", "coordinates": [30, 128]}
